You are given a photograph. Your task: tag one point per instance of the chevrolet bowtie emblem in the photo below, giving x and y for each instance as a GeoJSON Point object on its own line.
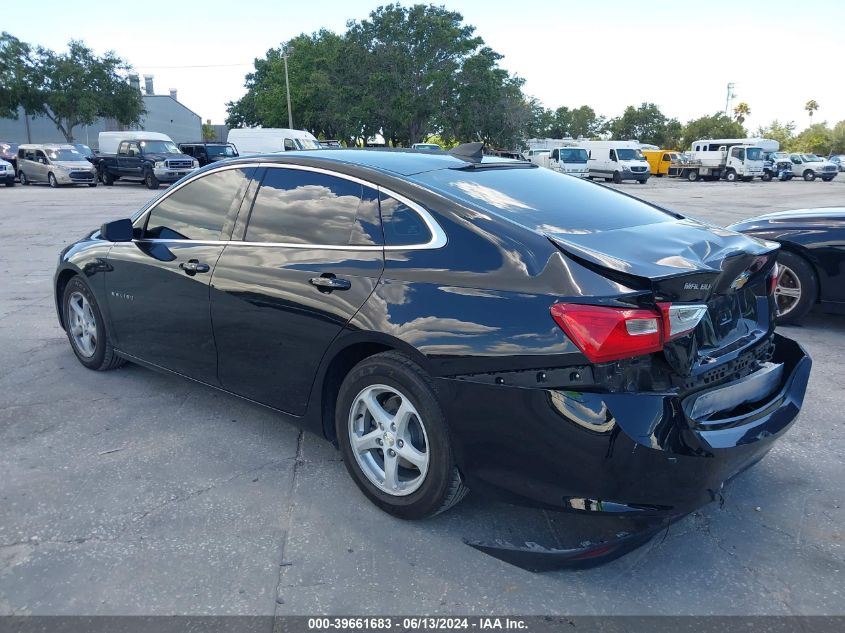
{"type": "Point", "coordinates": [740, 281]}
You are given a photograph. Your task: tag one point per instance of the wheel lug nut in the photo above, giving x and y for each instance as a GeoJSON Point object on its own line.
{"type": "Point", "coordinates": [379, 442]}
{"type": "Point", "coordinates": [400, 443]}
{"type": "Point", "coordinates": [392, 426]}
{"type": "Point", "coordinates": [391, 452]}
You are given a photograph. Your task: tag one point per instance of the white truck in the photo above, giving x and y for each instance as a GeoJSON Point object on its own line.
{"type": "Point", "coordinates": [616, 161]}
{"type": "Point", "coordinates": [810, 167]}
{"type": "Point", "coordinates": [571, 161]}
{"type": "Point", "coordinates": [267, 140]}
{"type": "Point", "coordinates": [730, 159]}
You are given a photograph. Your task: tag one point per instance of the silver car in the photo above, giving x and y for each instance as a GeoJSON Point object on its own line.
{"type": "Point", "coordinates": [55, 165]}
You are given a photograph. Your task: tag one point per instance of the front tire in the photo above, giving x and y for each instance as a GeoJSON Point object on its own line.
{"type": "Point", "coordinates": [51, 179]}
{"type": "Point", "coordinates": [86, 329]}
{"type": "Point", "coordinates": [809, 175]}
{"type": "Point", "coordinates": [617, 177]}
{"type": "Point", "coordinates": [24, 180]}
{"type": "Point", "coordinates": [731, 176]}
{"type": "Point", "coordinates": [796, 289]}
{"type": "Point", "coordinates": [151, 181]}
{"type": "Point", "coordinates": [394, 439]}
{"type": "Point", "coordinates": [827, 178]}
{"type": "Point", "coordinates": [107, 178]}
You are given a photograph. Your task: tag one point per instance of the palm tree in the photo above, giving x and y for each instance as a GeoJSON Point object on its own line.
{"type": "Point", "coordinates": [741, 111]}
{"type": "Point", "coordinates": [811, 106]}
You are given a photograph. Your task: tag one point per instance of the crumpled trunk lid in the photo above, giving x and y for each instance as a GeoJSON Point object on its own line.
{"type": "Point", "coordinates": [688, 262]}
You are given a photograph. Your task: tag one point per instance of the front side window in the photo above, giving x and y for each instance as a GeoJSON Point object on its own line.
{"type": "Point", "coordinates": [160, 147]}
{"type": "Point", "coordinates": [811, 158]}
{"type": "Point", "coordinates": [289, 145]}
{"type": "Point", "coordinates": [295, 206]}
{"type": "Point", "coordinates": [630, 154]}
{"type": "Point", "coordinates": [198, 210]}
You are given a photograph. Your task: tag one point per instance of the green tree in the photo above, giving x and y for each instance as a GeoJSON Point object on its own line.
{"type": "Point", "coordinates": [741, 111]}
{"type": "Point", "coordinates": [783, 133]}
{"type": "Point", "coordinates": [816, 139]}
{"type": "Point", "coordinates": [714, 126]}
{"type": "Point", "coordinates": [837, 138]}
{"type": "Point", "coordinates": [646, 124]}
{"type": "Point", "coordinates": [78, 87]}
{"type": "Point", "coordinates": [16, 74]}
{"type": "Point", "coordinates": [415, 54]}
{"type": "Point", "coordinates": [811, 106]}
{"type": "Point", "coordinates": [208, 132]}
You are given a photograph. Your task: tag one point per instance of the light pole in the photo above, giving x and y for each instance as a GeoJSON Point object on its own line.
{"type": "Point", "coordinates": [287, 86]}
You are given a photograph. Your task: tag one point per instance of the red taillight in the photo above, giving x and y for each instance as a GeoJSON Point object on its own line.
{"type": "Point", "coordinates": [773, 278]}
{"type": "Point", "coordinates": [604, 334]}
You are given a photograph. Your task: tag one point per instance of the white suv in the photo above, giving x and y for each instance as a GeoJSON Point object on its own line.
{"type": "Point", "coordinates": [810, 167]}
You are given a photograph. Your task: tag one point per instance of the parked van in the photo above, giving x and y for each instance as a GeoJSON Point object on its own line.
{"type": "Point", "coordinates": [109, 141]}
{"type": "Point", "coordinates": [267, 140]}
{"type": "Point", "coordinates": [55, 164]}
{"type": "Point", "coordinates": [616, 161]}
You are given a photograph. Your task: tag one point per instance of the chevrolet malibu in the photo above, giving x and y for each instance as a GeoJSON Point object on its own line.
{"type": "Point", "coordinates": [453, 322]}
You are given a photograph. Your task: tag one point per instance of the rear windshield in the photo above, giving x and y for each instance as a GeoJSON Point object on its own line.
{"type": "Point", "coordinates": [220, 150]}
{"type": "Point", "coordinates": [544, 200]}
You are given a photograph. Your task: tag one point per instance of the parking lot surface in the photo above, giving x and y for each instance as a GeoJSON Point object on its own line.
{"type": "Point", "coordinates": [133, 492]}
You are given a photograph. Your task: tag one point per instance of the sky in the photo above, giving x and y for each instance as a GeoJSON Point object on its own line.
{"type": "Point", "coordinates": [607, 54]}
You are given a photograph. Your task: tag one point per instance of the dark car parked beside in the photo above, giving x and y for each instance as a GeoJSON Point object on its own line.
{"type": "Point", "coordinates": [455, 323]}
{"type": "Point", "coordinates": [811, 261]}
{"type": "Point", "coordinates": [206, 153]}
{"type": "Point", "coordinates": [9, 153]}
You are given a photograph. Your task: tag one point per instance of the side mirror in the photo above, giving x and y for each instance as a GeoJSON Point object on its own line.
{"type": "Point", "coordinates": [117, 231]}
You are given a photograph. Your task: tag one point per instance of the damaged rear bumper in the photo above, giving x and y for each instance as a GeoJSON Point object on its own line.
{"type": "Point", "coordinates": [639, 455]}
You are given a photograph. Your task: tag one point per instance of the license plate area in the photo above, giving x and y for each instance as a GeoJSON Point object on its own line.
{"type": "Point", "coordinates": [725, 403]}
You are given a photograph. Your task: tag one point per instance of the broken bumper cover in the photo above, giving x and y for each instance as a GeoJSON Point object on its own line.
{"type": "Point", "coordinates": [614, 453]}
{"type": "Point", "coordinates": [634, 455]}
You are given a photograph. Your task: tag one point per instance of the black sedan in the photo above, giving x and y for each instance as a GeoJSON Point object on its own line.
{"type": "Point", "coordinates": [811, 260]}
{"type": "Point", "coordinates": [453, 322]}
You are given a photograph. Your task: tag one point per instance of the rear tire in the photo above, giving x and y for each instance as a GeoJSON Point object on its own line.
{"type": "Point", "coordinates": [92, 184]}
{"type": "Point", "coordinates": [798, 275]}
{"type": "Point", "coordinates": [10, 183]}
{"type": "Point", "coordinates": [382, 383]}
{"type": "Point", "coordinates": [692, 175]}
{"type": "Point", "coordinates": [766, 177]}
{"type": "Point", "coordinates": [86, 329]}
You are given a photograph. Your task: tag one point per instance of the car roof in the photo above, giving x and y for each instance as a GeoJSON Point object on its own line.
{"type": "Point", "coordinates": [403, 162]}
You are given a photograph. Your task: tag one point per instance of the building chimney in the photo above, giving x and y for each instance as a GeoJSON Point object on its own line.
{"type": "Point", "coordinates": [173, 94]}
{"type": "Point", "coordinates": [148, 85]}
{"type": "Point", "coordinates": [135, 82]}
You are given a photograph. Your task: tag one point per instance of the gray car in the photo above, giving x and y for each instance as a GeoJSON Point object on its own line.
{"type": "Point", "coordinates": [54, 164]}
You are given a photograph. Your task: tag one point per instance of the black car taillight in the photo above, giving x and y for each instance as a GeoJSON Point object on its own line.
{"type": "Point", "coordinates": [605, 333]}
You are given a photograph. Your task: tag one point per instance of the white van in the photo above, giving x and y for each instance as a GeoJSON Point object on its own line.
{"type": "Point", "coordinates": [109, 141]}
{"type": "Point", "coordinates": [567, 160]}
{"type": "Point", "coordinates": [267, 140]}
{"type": "Point", "coordinates": [616, 161]}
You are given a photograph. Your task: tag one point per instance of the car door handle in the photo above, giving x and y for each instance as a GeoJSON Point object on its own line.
{"type": "Point", "coordinates": [193, 266]}
{"type": "Point", "coordinates": [329, 282]}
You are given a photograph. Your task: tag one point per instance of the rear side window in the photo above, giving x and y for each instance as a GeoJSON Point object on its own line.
{"type": "Point", "coordinates": [402, 225]}
{"type": "Point", "coordinates": [198, 210]}
{"type": "Point", "coordinates": [295, 206]}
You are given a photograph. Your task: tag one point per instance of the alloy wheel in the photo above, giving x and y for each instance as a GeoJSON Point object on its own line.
{"type": "Point", "coordinates": [389, 440]}
{"type": "Point", "coordinates": [787, 290]}
{"type": "Point", "coordinates": [83, 324]}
